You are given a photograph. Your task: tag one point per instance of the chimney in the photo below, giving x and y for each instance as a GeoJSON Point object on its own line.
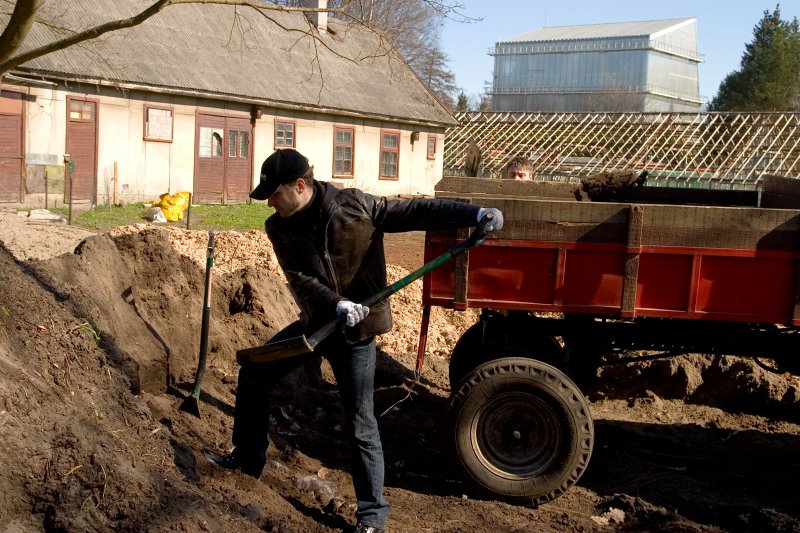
{"type": "Point", "coordinates": [318, 18]}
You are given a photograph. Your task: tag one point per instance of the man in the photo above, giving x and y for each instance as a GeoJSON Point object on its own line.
{"type": "Point", "coordinates": [329, 243]}
{"type": "Point", "coordinates": [519, 168]}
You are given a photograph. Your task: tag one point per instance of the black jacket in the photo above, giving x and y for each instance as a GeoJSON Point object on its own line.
{"type": "Point", "coordinates": [336, 251]}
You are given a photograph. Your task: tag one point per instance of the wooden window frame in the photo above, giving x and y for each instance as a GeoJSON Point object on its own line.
{"type": "Point", "coordinates": [352, 146]}
{"type": "Point", "coordinates": [294, 133]}
{"type": "Point", "coordinates": [71, 99]}
{"type": "Point", "coordinates": [149, 138]}
{"type": "Point", "coordinates": [431, 155]}
{"type": "Point", "coordinates": [238, 146]}
{"type": "Point", "coordinates": [145, 121]}
{"type": "Point", "coordinates": [381, 151]}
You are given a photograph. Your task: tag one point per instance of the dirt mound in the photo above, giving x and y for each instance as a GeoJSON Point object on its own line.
{"type": "Point", "coordinates": [731, 383]}
{"type": "Point", "coordinates": [81, 331]}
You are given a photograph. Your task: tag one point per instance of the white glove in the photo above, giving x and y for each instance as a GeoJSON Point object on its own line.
{"type": "Point", "coordinates": [355, 312]}
{"type": "Point", "coordinates": [497, 218]}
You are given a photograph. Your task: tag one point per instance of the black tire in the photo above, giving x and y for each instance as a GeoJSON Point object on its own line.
{"type": "Point", "coordinates": [517, 429]}
{"type": "Point", "coordinates": [493, 339]}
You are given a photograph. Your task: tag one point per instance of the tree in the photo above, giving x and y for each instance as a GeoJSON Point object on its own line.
{"type": "Point", "coordinates": [462, 104]}
{"type": "Point", "coordinates": [372, 14]}
{"type": "Point", "coordinates": [412, 26]}
{"type": "Point", "coordinates": [769, 76]}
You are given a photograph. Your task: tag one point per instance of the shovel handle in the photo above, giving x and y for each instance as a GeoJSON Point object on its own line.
{"type": "Point", "coordinates": [477, 237]}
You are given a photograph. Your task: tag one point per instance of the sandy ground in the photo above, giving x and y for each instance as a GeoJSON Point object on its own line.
{"type": "Point", "coordinates": [98, 348]}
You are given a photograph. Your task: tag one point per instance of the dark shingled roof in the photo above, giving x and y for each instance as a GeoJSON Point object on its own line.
{"type": "Point", "coordinates": [195, 47]}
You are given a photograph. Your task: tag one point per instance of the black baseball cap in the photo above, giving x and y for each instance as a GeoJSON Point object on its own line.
{"type": "Point", "coordinates": [283, 166]}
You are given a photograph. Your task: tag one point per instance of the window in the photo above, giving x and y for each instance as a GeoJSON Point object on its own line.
{"type": "Point", "coordinates": [390, 154]}
{"type": "Point", "coordinates": [210, 142]}
{"type": "Point", "coordinates": [431, 146]}
{"type": "Point", "coordinates": [238, 143]}
{"type": "Point", "coordinates": [343, 151]}
{"type": "Point", "coordinates": [157, 123]}
{"type": "Point", "coordinates": [81, 110]}
{"type": "Point", "coordinates": [284, 134]}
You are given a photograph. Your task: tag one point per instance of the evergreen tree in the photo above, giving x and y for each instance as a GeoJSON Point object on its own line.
{"type": "Point", "coordinates": [463, 103]}
{"type": "Point", "coordinates": [769, 76]}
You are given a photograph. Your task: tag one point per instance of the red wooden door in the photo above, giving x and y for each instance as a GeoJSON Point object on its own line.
{"type": "Point", "coordinates": [223, 160]}
{"type": "Point", "coordinates": [238, 161]}
{"type": "Point", "coordinates": [11, 176]}
{"type": "Point", "coordinates": [82, 148]}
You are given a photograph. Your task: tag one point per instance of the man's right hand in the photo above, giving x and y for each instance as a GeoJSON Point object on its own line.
{"type": "Point", "coordinates": [354, 312]}
{"type": "Point", "coordinates": [496, 219]}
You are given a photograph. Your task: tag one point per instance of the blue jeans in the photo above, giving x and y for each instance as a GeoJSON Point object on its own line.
{"type": "Point", "coordinates": [354, 368]}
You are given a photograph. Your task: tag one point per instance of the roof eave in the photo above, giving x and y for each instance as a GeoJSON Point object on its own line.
{"type": "Point", "coordinates": [177, 91]}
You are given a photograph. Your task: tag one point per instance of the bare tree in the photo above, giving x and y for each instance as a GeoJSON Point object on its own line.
{"type": "Point", "coordinates": [412, 26]}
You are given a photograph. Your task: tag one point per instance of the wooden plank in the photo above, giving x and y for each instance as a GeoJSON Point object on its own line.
{"type": "Point", "coordinates": [632, 256]}
{"type": "Point", "coordinates": [552, 220]}
{"type": "Point", "coordinates": [476, 187]}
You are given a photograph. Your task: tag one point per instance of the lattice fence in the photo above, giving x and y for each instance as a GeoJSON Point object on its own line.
{"type": "Point", "coordinates": [717, 150]}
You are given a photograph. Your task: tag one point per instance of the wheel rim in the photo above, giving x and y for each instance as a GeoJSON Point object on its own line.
{"type": "Point", "coordinates": [517, 435]}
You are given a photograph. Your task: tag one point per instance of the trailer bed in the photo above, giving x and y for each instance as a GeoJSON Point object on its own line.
{"type": "Point", "coordinates": [625, 260]}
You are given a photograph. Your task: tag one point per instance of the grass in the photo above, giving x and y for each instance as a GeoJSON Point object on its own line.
{"type": "Point", "coordinates": [238, 217]}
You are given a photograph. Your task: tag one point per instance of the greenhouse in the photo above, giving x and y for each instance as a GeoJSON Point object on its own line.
{"type": "Point", "coordinates": [647, 66]}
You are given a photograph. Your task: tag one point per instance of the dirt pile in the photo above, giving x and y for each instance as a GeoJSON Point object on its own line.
{"type": "Point", "coordinates": [81, 331]}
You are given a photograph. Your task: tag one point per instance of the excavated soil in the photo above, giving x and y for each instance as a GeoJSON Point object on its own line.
{"type": "Point", "coordinates": [99, 338]}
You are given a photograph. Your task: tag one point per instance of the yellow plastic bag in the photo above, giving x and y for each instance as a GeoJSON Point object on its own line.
{"type": "Point", "coordinates": [173, 205]}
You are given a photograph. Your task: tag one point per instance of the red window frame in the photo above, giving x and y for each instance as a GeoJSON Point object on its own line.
{"type": "Point", "coordinates": [291, 123]}
{"type": "Point", "coordinates": [431, 151]}
{"type": "Point", "coordinates": [351, 145]}
{"type": "Point", "coordinates": [391, 150]}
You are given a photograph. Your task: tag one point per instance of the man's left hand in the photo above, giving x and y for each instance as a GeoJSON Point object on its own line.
{"type": "Point", "coordinates": [496, 223]}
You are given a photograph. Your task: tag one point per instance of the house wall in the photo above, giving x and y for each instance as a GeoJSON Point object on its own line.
{"type": "Point", "coordinates": [314, 138]}
{"type": "Point", "coordinates": [146, 169]}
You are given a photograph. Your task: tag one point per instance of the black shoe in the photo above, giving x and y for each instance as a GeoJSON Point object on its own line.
{"type": "Point", "coordinates": [235, 461]}
{"type": "Point", "coordinates": [363, 528]}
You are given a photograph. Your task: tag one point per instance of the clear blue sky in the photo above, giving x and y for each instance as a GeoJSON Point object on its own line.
{"type": "Point", "coordinates": [723, 29]}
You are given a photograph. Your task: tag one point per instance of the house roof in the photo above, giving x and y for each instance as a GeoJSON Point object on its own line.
{"type": "Point", "coordinates": [205, 48]}
{"type": "Point", "coordinates": [599, 31]}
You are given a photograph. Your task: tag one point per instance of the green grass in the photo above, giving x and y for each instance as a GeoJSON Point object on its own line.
{"type": "Point", "coordinates": [238, 217]}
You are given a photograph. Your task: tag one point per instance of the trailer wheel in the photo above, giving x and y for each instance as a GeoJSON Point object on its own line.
{"type": "Point", "coordinates": [498, 338]}
{"type": "Point", "coordinates": [518, 430]}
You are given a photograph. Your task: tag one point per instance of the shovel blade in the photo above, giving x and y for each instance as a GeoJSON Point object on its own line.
{"type": "Point", "coordinates": [190, 405]}
{"type": "Point", "coordinates": [274, 351]}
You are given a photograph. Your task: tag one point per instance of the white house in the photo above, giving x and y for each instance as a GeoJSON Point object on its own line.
{"type": "Point", "coordinates": [195, 98]}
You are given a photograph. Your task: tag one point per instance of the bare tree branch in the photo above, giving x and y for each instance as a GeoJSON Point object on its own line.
{"type": "Point", "coordinates": [18, 26]}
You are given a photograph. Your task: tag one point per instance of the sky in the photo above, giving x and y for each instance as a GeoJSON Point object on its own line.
{"type": "Point", "coordinates": [723, 29]}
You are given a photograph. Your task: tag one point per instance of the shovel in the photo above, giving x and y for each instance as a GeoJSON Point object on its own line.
{"type": "Point", "coordinates": [189, 404]}
{"type": "Point", "coordinates": [295, 346]}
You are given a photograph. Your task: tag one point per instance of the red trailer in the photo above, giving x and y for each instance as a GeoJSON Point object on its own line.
{"type": "Point", "coordinates": [671, 271]}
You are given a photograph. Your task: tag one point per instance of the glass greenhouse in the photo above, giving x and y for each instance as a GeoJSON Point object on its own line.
{"type": "Point", "coordinates": [626, 66]}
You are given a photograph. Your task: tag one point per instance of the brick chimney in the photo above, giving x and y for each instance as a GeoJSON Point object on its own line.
{"type": "Point", "coordinates": [318, 18]}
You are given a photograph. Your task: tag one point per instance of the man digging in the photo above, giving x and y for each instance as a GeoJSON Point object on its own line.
{"type": "Point", "coordinates": [329, 243]}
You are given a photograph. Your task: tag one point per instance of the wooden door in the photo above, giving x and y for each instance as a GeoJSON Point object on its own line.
{"type": "Point", "coordinates": [82, 149]}
{"type": "Point", "coordinates": [11, 168]}
{"type": "Point", "coordinates": [223, 162]}
{"type": "Point", "coordinates": [238, 161]}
